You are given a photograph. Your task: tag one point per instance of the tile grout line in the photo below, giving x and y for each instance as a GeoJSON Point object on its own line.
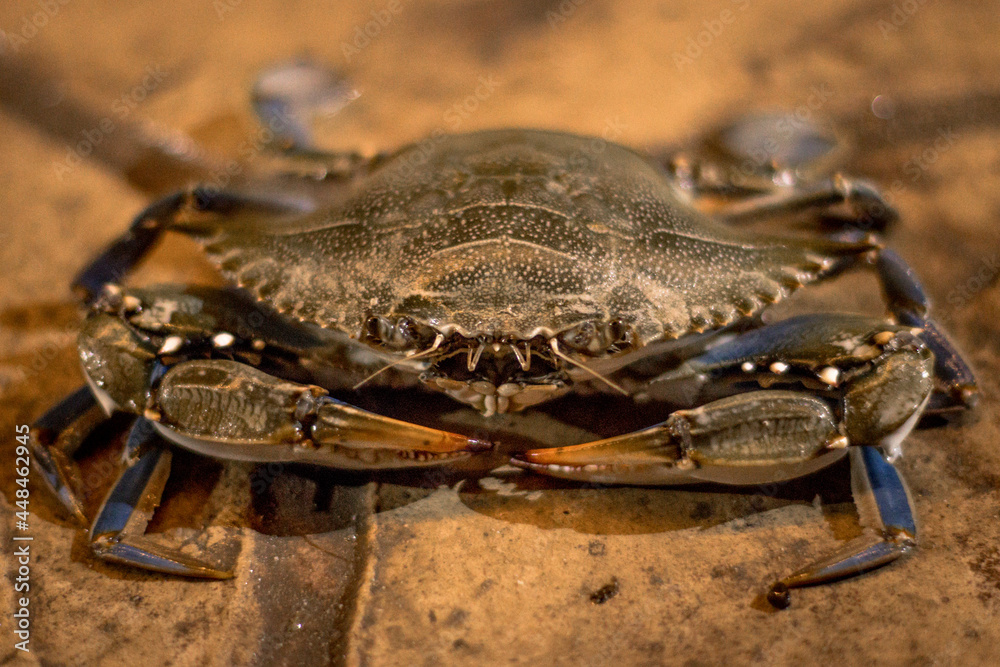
{"type": "Point", "coordinates": [358, 591]}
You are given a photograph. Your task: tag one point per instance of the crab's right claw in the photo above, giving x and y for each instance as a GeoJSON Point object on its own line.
{"type": "Point", "coordinates": [275, 420]}
{"type": "Point", "coordinates": [374, 441]}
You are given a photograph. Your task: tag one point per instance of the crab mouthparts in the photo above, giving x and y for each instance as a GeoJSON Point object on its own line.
{"type": "Point", "coordinates": [491, 399]}
{"type": "Point", "coordinates": [497, 377]}
{"type": "Point", "coordinates": [499, 374]}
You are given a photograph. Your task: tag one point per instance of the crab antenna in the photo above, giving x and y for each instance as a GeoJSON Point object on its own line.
{"type": "Point", "coordinates": [523, 359]}
{"type": "Point", "coordinates": [474, 356]}
{"type": "Point", "coordinates": [435, 345]}
{"type": "Point", "coordinates": [555, 348]}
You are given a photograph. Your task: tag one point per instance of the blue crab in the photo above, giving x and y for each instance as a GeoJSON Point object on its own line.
{"type": "Point", "coordinates": [505, 268]}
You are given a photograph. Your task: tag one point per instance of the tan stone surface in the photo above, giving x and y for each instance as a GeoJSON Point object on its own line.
{"type": "Point", "coordinates": [503, 569]}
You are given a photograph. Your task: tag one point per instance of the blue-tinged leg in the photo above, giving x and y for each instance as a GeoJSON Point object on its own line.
{"type": "Point", "coordinates": [820, 351]}
{"type": "Point", "coordinates": [909, 304]}
{"type": "Point", "coordinates": [869, 207]}
{"type": "Point", "coordinates": [117, 533]}
{"type": "Point", "coordinates": [187, 211]}
{"type": "Point", "coordinates": [55, 438]}
{"type": "Point", "coordinates": [112, 265]}
{"type": "Point", "coordinates": [891, 530]}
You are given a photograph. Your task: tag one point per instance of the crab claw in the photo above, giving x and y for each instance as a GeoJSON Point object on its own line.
{"type": "Point", "coordinates": [753, 438]}
{"type": "Point", "coordinates": [364, 440]}
{"type": "Point", "coordinates": [650, 456]}
{"type": "Point", "coordinates": [265, 418]}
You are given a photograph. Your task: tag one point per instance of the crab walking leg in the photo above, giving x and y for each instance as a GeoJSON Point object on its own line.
{"type": "Point", "coordinates": [287, 97]}
{"type": "Point", "coordinates": [738, 179]}
{"type": "Point", "coordinates": [177, 211]}
{"type": "Point", "coordinates": [864, 198]}
{"type": "Point", "coordinates": [55, 438]}
{"type": "Point", "coordinates": [821, 352]}
{"type": "Point", "coordinates": [891, 530]}
{"type": "Point", "coordinates": [118, 532]}
{"type": "Point", "coordinates": [910, 306]}
{"type": "Point", "coordinates": [771, 435]}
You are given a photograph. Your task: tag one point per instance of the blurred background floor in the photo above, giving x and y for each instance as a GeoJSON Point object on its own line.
{"type": "Point", "coordinates": [505, 569]}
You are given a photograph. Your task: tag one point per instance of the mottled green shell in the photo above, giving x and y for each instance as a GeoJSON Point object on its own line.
{"type": "Point", "coordinates": [513, 233]}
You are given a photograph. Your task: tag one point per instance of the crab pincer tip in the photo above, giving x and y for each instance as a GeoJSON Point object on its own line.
{"type": "Point", "coordinates": [779, 596]}
{"type": "Point", "coordinates": [968, 395]}
{"type": "Point", "coordinates": [528, 460]}
{"type": "Point", "coordinates": [478, 445]}
{"type": "Point", "coordinates": [534, 458]}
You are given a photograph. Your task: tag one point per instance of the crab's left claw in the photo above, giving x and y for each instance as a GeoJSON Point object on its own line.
{"type": "Point", "coordinates": [726, 441]}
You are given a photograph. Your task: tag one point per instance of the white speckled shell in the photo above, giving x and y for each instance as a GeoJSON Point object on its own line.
{"type": "Point", "coordinates": [514, 233]}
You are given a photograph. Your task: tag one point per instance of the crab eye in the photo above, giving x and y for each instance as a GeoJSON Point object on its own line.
{"type": "Point", "coordinates": [403, 334]}
{"type": "Point", "coordinates": [409, 334]}
{"type": "Point", "coordinates": [378, 330]}
{"type": "Point", "coordinates": [594, 338]}
{"type": "Point", "coordinates": [585, 337]}
{"type": "Point", "coordinates": [622, 336]}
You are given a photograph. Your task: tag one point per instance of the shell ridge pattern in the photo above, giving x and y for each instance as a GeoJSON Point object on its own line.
{"type": "Point", "coordinates": [514, 233]}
